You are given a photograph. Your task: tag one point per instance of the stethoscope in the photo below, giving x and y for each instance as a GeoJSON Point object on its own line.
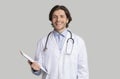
{"type": "Point", "coordinates": [68, 49]}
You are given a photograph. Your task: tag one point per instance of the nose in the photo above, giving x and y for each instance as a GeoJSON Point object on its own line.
{"type": "Point", "coordinates": [58, 18]}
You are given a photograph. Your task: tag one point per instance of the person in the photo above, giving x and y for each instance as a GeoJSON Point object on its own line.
{"type": "Point", "coordinates": [61, 54]}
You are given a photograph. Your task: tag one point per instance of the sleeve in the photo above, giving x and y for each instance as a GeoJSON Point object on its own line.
{"type": "Point", "coordinates": [83, 72]}
{"type": "Point", "coordinates": [38, 57]}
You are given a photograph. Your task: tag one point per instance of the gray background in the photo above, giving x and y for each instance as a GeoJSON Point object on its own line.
{"type": "Point", "coordinates": [24, 22]}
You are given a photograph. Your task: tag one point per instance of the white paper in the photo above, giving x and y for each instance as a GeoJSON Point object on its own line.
{"type": "Point", "coordinates": [31, 60]}
{"type": "Point", "coordinates": [26, 56]}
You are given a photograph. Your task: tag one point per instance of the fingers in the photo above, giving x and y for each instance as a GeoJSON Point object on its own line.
{"type": "Point", "coordinates": [35, 66]}
{"type": "Point", "coordinates": [29, 62]}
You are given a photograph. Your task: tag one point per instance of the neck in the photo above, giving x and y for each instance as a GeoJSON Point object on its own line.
{"type": "Point", "coordinates": [60, 31]}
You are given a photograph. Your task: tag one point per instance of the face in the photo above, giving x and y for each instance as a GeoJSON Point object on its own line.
{"type": "Point", "coordinates": [59, 20]}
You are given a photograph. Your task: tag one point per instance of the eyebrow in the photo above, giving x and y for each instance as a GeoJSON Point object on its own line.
{"type": "Point", "coordinates": [56, 15]}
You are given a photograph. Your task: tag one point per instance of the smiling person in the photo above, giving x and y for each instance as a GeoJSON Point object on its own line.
{"type": "Point", "coordinates": [61, 54]}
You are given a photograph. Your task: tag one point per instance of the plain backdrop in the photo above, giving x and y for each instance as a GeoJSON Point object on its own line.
{"type": "Point", "coordinates": [24, 22]}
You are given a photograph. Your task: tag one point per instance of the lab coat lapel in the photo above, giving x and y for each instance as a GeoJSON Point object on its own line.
{"type": "Point", "coordinates": [62, 58]}
{"type": "Point", "coordinates": [65, 43]}
{"type": "Point", "coordinates": [54, 42]}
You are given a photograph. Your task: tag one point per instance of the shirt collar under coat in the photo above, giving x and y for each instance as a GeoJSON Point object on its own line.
{"type": "Point", "coordinates": [63, 34]}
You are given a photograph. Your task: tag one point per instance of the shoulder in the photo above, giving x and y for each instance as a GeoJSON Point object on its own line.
{"type": "Point", "coordinates": [77, 37]}
{"type": "Point", "coordinates": [78, 40]}
{"type": "Point", "coordinates": [44, 38]}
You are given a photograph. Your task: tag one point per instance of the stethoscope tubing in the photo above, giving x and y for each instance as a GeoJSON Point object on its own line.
{"type": "Point", "coordinates": [71, 38]}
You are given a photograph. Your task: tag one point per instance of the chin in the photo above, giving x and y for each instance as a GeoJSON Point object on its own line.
{"type": "Point", "coordinates": [58, 27]}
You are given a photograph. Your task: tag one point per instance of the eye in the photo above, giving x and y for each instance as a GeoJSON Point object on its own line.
{"type": "Point", "coordinates": [62, 16]}
{"type": "Point", "coordinates": [54, 17]}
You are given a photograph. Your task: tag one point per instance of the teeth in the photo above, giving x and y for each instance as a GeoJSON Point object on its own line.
{"type": "Point", "coordinates": [58, 23]}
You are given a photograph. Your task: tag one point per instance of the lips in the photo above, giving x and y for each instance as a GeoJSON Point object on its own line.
{"type": "Point", "coordinates": [58, 23]}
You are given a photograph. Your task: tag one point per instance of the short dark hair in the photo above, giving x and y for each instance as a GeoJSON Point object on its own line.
{"type": "Point", "coordinates": [58, 7]}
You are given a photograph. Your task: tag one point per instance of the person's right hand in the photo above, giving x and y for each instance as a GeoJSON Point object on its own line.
{"type": "Point", "coordinates": [34, 65]}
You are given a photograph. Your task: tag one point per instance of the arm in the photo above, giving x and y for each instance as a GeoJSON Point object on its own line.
{"type": "Point", "coordinates": [35, 66]}
{"type": "Point", "coordinates": [83, 72]}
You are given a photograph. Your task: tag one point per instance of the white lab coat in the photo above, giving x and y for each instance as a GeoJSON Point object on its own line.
{"type": "Point", "coordinates": [58, 64]}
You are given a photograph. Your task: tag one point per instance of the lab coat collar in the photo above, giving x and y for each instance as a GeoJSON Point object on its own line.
{"type": "Point", "coordinates": [64, 33]}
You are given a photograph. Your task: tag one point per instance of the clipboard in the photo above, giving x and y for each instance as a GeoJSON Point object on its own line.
{"type": "Point", "coordinates": [31, 60]}
{"type": "Point", "coordinates": [26, 56]}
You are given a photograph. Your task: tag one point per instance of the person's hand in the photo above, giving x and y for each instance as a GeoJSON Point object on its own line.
{"type": "Point", "coordinates": [34, 65]}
